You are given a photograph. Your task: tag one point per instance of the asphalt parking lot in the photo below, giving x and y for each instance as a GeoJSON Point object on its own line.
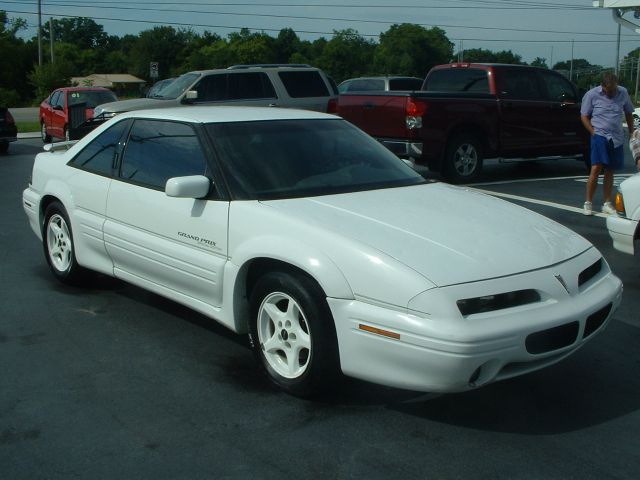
{"type": "Point", "coordinates": [115, 382]}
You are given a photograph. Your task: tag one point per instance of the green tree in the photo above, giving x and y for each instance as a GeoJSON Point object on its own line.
{"type": "Point", "coordinates": [286, 44]}
{"type": "Point", "coordinates": [82, 32]}
{"type": "Point", "coordinates": [164, 45]}
{"type": "Point", "coordinates": [539, 62]}
{"type": "Point", "coordinates": [247, 47]}
{"type": "Point", "coordinates": [347, 55]}
{"type": "Point", "coordinates": [16, 58]}
{"type": "Point", "coordinates": [48, 77]}
{"type": "Point", "coordinates": [410, 49]}
{"type": "Point", "coordinates": [482, 55]}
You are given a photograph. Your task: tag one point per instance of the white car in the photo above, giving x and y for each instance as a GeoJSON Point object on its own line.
{"type": "Point", "coordinates": [623, 228]}
{"type": "Point", "coordinates": [333, 254]}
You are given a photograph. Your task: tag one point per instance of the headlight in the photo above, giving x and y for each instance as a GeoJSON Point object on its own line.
{"type": "Point", "coordinates": [620, 205]}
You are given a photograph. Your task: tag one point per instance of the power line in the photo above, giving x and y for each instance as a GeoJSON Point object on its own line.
{"type": "Point", "coordinates": [487, 5]}
{"type": "Point", "coordinates": [235, 27]}
{"type": "Point", "coordinates": [333, 19]}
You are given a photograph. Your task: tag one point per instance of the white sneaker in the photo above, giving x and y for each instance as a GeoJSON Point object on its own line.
{"type": "Point", "coordinates": [588, 208]}
{"type": "Point", "coordinates": [608, 209]}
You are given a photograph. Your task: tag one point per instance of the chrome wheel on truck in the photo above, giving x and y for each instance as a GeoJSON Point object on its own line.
{"type": "Point", "coordinates": [463, 162]}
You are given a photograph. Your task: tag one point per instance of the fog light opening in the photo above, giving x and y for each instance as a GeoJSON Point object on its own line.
{"type": "Point", "coordinates": [474, 377]}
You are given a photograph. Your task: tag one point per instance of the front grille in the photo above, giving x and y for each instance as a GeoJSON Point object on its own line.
{"type": "Point", "coordinates": [552, 338]}
{"type": "Point", "coordinates": [589, 272]}
{"type": "Point", "coordinates": [595, 320]}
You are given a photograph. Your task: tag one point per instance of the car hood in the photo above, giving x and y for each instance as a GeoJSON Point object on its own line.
{"type": "Point", "coordinates": [135, 104]}
{"type": "Point", "coordinates": [450, 235]}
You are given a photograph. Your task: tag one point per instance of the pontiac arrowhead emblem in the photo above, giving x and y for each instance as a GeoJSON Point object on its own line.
{"type": "Point", "coordinates": [562, 282]}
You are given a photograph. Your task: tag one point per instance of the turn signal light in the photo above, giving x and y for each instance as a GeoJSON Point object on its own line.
{"type": "Point", "coordinates": [620, 204]}
{"type": "Point", "coordinates": [379, 331]}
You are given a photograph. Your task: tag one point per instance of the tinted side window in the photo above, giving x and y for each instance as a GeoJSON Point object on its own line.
{"type": "Point", "coordinates": [53, 101]}
{"type": "Point", "coordinates": [408, 84]}
{"type": "Point", "coordinates": [458, 80]}
{"type": "Point", "coordinates": [366, 84]}
{"type": "Point", "coordinates": [243, 86]}
{"type": "Point", "coordinates": [157, 151]}
{"type": "Point", "coordinates": [99, 154]}
{"type": "Point", "coordinates": [558, 88]}
{"type": "Point", "coordinates": [519, 84]}
{"type": "Point", "coordinates": [212, 88]}
{"type": "Point", "coordinates": [304, 84]}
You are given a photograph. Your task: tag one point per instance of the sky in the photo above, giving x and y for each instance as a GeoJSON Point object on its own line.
{"type": "Point", "coordinates": [528, 28]}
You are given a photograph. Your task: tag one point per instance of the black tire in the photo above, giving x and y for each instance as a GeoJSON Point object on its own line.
{"type": "Point", "coordinates": [4, 147]}
{"type": "Point", "coordinates": [59, 248]}
{"type": "Point", "coordinates": [46, 138]}
{"type": "Point", "coordinates": [300, 371]}
{"type": "Point", "coordinates": [463, 160]}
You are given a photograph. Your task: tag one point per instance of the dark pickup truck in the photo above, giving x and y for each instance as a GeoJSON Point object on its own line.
{"type": "Point", "coordinates": [468, 112]}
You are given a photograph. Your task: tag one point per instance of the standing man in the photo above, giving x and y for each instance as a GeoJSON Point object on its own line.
{"type": "Point", "coordinates": [601, 114]}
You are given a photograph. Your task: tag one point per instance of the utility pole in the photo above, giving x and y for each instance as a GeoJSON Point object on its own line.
{"type": "Point", "coordinates": [40, 32]}
{"type": "Point", "coordinates": [618, 52]}
{"type": "Point", "coordinates": [637, 76]}
{"type": "Point", "coordinates": [571, 67]}
{"type": "Point", "coordinates": [51, 37]}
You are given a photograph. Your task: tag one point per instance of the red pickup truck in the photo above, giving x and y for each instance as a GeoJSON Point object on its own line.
{"type": "Point", "coordinates": [468, 112]}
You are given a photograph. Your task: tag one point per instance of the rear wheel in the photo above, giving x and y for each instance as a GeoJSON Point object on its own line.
{"type": "Point", "coordinates": [292, 333]}
{"type": "Point", "coordinates": [463, 162]}
{"type": "Point", "coordinates": [46, 138]}
{"type": "Point", "coordinates": [59, 249]}
{"type": "Point", "coordinates": [4, 147]}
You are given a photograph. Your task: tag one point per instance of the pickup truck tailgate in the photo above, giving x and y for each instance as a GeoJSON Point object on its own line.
{"type": "Point", "coordinates": [381, 116]}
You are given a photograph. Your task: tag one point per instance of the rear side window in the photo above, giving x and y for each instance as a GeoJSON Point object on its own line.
{"type": "Point", "coordinates": [98, 156]}
{"type": "Point", "coordinates": [249, 85]}
{"type": "Point", "coordinates": [407, 84]}
{"type": "Point", "coordinates": [365, 85]}
{"type": "Point", "coordinates": [235, 86]}
{"type": "Point", "coordinates": [303, 84]}
{"type": "Point", "coordinates": [559, 89]}
{"type": "Point", "coordinates": [519, 84]}
{"type": "Point", "coordinates": [458, 80]}
{"type": "Point", "coordinates": [157, 151]}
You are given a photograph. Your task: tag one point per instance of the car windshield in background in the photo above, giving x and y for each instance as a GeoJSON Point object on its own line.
{"type": "Point", "coordinates": [91, 98]}
{"type": "Point", "coordinates": [268, 160]}
{"type": "Point", "coordinates": [177, 87]}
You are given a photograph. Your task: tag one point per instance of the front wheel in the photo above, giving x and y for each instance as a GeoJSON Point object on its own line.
{"type": "Point", "coordinates": [292, 333]}
{"type": "Point", "coordinates": [46, 138]}
{"type": "Point", "coordinates": [57, 240]}
{"type": "Point", "coordinates": [463, 162]}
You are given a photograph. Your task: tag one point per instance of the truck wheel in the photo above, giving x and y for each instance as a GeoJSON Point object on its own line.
{"type": "Point", "coordinates": [463, 162]}
{"type": "Point", "coordinates": [292, 333]}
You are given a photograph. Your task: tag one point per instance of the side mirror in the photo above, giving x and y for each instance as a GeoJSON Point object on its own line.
{"type": "Point", "coordinates": [191, 95]}
{"type": "Point", "coordinates": [193, 186]}
{"type": "Point", "coordinates": [409, 162]}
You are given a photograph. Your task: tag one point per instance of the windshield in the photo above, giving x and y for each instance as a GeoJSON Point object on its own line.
{"type": "Point", "coordinates": [177, 87]}
{"type": "Point", "coordinates": [274, 159]}
{"type": "Point", "coordinates": [92, 98]}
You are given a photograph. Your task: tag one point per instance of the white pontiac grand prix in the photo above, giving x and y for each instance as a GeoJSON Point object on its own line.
{"type": "Point", "coordinates": [333, 254]}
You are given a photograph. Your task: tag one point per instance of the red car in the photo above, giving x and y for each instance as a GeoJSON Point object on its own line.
{"type": "Point", "coordinates": [54, 111]}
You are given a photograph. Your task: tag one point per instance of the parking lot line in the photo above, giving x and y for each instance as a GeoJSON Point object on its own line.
{"type": "Point", "coordinates": [537, 202]}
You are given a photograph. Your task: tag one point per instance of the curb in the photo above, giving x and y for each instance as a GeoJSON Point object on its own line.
{"type": "Point", "coordinates": [29, 135]}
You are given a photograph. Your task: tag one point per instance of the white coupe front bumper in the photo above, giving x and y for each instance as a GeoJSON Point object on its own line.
{"type": "Point", "coordinates": [422, 352]}
{"type": "Point", "coordinates": [622, 232]}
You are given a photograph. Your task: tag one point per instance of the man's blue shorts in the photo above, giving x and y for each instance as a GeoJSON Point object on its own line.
{"type": "Point", "coordinates": [602, 152]}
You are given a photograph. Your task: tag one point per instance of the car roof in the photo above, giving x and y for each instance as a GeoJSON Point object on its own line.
{"type": "Point", "coordinates": [83, 89]}
{"type": "Point", "coordinates": [223, 114]}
